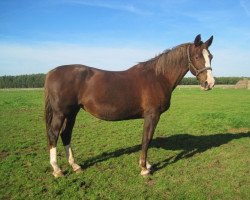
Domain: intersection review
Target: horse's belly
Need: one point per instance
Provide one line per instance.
(110, 112)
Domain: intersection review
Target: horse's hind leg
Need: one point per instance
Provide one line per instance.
(53, 133)
(66, 139)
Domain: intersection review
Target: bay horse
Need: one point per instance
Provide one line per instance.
(142, 91)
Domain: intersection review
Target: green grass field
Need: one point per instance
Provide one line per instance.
(200, 150)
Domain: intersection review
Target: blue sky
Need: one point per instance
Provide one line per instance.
(36, 36)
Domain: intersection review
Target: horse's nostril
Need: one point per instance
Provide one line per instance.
(206, 84)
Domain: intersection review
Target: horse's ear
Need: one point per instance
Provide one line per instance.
(197, 40)
(209, 41)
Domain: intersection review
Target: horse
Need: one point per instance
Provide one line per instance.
(142, 91)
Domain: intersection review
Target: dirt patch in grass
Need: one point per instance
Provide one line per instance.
(3, 154)
(149, 182)
(239, 130)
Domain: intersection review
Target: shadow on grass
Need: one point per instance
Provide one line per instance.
(189, 144)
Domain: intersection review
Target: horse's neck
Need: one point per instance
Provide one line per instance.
(173, 75)
(180, 76)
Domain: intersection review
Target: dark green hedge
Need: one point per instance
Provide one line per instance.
(22, 81)
(37, 81)
(189, 81)
(227, 80)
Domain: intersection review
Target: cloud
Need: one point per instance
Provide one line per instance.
(16, 59)
(110, 5)
(40, 58)
(231, 61)
(246, 6)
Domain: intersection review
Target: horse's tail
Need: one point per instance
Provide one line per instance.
(48, 111)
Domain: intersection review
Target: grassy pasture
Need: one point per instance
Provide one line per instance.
(200, 150)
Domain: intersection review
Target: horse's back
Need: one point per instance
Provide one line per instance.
(111, 95)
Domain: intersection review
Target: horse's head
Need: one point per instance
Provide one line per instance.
(199, 58)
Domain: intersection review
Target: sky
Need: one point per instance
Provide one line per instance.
(37, 36)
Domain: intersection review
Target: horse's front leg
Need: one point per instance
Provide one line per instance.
(150, 121)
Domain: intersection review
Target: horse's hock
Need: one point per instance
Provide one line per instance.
(243, 84)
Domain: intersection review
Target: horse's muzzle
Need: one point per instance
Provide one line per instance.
(207, 86)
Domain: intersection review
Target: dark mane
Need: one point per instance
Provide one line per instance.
(173, 58)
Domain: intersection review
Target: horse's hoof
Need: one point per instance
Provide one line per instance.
(79, 170)
(147, 164)
(58, 174)
(145, 172)
(76, 168)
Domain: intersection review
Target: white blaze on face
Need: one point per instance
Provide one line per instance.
(210, 78)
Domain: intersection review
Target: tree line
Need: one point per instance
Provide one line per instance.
(22, 81)
(37, 81)
(218, 80)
